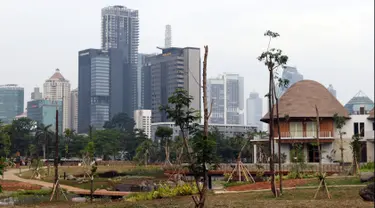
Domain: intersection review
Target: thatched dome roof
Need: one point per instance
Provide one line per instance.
(300, 99)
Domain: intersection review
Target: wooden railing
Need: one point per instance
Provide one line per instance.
(305, 134)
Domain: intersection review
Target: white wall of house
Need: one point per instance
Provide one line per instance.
(348, 128)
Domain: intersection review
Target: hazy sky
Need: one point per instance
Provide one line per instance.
(331, 42)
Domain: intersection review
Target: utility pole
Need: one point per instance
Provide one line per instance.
(57, 154)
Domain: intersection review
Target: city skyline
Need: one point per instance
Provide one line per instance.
(85, 33)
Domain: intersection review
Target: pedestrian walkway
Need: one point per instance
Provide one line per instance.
(11, 175)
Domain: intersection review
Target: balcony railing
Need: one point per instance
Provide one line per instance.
(305, 134)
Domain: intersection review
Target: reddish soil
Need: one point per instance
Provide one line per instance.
(14, 186)
(266, 185)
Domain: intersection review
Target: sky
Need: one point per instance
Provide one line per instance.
(331, 42)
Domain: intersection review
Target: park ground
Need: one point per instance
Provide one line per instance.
(298, 192)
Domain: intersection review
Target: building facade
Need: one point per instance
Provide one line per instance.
(227, 130)
(58, 88)
(360, 104)
(144, 81)
(36, 95)
(93, 89)
(227, 94)
(254, 110)
(120, 30)
(44, 112)
(292, 75)
(74, 109)
(174, 68)
(142, 120)
(11, 102)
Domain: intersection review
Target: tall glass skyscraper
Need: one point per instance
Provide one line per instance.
(227, 94)
(291, 74)
(11, 102)
(254, 110)
(93, 89)
(120, 30)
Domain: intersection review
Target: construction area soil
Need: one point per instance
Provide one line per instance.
(15, 186)
(290, 183)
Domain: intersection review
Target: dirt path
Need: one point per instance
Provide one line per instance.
(11, 175)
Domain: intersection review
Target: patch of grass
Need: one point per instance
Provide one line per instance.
(335, 181)
(143, 171)
(235, 183)
(31, 192)
(342, 197)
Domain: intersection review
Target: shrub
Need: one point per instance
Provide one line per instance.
(368, 167)
(143, 171)
(164, 191)
(31, 192)
(236, 183)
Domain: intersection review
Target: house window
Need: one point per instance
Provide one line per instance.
(359, 129)
(296, 129)
(362, 110)
(310, 129)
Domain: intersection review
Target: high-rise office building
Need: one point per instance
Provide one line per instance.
(174, 68)
(36, 95)
(74, 109)
(144, 81)
(292, 75)
(254, 110)
(44, 112)
(227, 94)
(93, 89)
(11, 102)
(142, 119)
(58, 88)
(331, 90)
(168, 37)
(120, 30)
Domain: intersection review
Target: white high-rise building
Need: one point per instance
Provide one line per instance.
(58, 88)
(254, 110)
(227, 94)
(36, 95)
(142, 120)
(74, 109)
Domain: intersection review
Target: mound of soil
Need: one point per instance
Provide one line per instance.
(14, 186)
(266, 185)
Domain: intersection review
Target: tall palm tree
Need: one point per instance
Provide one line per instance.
(43, 135)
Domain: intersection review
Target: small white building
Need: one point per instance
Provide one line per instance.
(227, 130)
(142, 120)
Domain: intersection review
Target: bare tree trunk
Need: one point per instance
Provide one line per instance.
(271, 132)
(317, 138)
(279, 135)
(342, 152)
(44, 151)
(202, 194)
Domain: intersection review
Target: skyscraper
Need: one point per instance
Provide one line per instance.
(142, 119)
(174, 68)
(227, 94)
(168, 37)
(44, 112)
(291, 74)
(332, 90)
(254, 110)
(120, 30)
(144, 81)
(58, 88)
(11, 102)
(36, 95)
(74, 109)
(93, 89)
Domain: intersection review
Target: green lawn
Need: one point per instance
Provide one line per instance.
(336, 181)
(342, 197)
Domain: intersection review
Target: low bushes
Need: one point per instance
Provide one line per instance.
(368, 167)
(164, 191)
